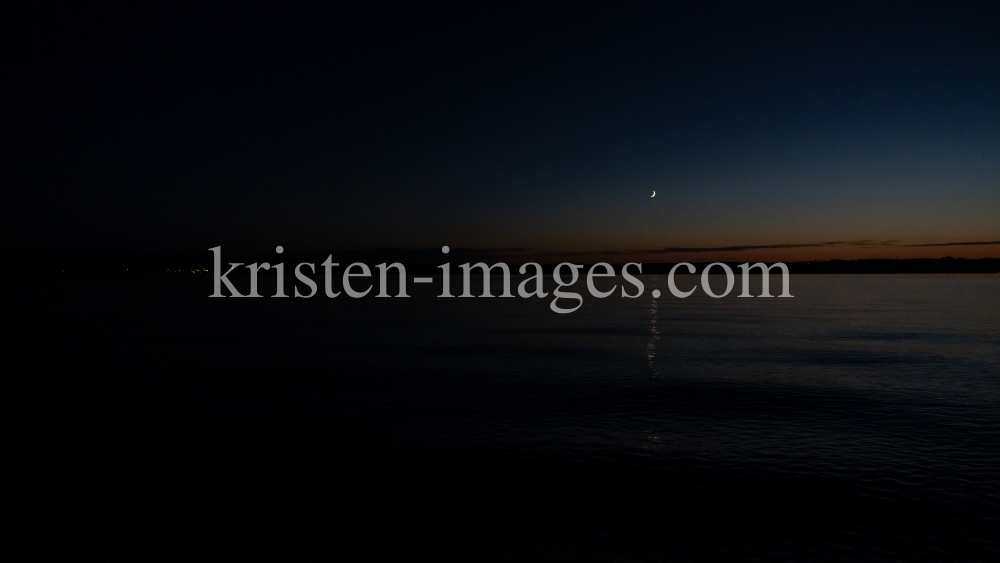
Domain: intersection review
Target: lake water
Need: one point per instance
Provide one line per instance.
(859, 420)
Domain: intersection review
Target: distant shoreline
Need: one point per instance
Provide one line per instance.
(120, 267)
(873, 266)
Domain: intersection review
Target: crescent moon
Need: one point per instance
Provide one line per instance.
(654, 194)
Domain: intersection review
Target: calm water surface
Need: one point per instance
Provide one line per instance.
(857, 421)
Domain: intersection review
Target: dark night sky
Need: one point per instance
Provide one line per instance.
(170, 131)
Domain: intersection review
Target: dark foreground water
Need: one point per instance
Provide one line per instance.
(858, 421)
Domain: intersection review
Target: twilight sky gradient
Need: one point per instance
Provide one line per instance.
(779, 131)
